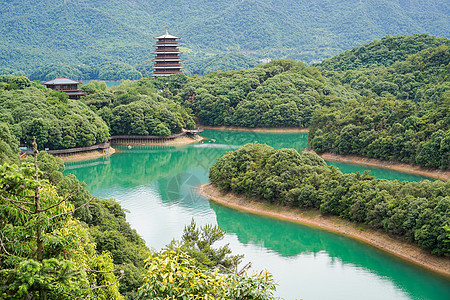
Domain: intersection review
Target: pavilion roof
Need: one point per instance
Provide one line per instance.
(61, 81)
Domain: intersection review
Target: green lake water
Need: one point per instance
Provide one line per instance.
(159, 187)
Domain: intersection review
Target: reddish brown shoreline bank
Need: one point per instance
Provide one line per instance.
(360, 160)
(406, 251)
(259, 129)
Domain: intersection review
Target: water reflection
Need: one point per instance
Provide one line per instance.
(290, 240)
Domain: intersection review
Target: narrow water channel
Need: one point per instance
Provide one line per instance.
(158, 186)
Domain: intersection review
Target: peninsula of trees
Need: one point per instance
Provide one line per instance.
(418, 212)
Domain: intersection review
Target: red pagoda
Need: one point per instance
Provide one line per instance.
(167, 59)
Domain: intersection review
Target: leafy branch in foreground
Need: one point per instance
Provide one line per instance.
(175, 275)
(193, 269)
(212, 273)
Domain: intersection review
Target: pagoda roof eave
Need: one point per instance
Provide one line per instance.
(169, 59)
(167, 52)
(167, 45)
(166, 36)
(167, 67)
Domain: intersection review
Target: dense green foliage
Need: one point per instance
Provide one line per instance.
(415, 211)
(8, 145)
(403, 114)
(384, 52)
(106, 223)
(45, 252)
(39, 33)
(104, 71)
(193, 269)
(102, 223)
(197, 242)
(174, 275)
(203, 65)
(281, 93)
(28, 109)
(138, 108)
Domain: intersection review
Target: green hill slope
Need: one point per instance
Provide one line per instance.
(404, 114)
(35, 33)
(384, 52)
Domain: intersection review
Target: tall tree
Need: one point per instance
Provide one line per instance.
(44, 252)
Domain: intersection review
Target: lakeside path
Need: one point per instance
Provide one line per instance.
(404, 250)
(174, 142)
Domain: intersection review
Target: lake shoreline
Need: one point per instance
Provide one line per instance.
(89, 155)
(392, 165)
(180, 141)
(404, 250)
(256, 129)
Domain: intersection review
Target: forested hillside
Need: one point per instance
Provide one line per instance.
(136, 108)
(80, 32)
(403, 114)
(282, 93)
(29, 109)
(384, 52)
(417, 212)
(374, 108)
(354, 105)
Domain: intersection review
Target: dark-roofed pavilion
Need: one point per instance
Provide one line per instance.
(66, 85)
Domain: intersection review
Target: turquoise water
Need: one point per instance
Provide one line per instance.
(159, 187)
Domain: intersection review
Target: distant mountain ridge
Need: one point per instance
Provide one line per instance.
(34, 33)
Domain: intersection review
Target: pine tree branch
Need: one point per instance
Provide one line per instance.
(72, 211)
(18, 201)
(97, 271)
(244, 269)
(54, 205)
(2, 244)
(122, 274)
(18, 206)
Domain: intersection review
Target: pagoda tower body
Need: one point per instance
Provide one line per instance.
(167, 56)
